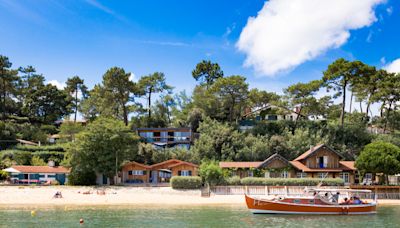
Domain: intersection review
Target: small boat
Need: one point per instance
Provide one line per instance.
(314, 201)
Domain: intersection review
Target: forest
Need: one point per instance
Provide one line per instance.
(219, 104)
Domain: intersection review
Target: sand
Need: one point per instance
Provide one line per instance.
(14, 196)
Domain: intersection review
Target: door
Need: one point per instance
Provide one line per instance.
(60, 177)
(154, 177)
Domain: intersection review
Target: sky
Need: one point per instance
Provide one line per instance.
(272, 43)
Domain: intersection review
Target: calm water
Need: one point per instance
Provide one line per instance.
(222, 216)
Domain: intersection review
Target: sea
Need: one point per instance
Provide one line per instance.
(184, 216)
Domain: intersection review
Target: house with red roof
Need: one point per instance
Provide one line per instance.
(22, 174)
(319, 161)
(159, 173)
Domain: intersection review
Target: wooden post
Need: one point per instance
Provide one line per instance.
(286, 190)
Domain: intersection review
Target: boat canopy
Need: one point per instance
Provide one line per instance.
(336, 190)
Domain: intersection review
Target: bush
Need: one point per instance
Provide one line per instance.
(180, 182)
(211, 173)
(235, 180)
(3, 175)
(291, 181)
(82, 177)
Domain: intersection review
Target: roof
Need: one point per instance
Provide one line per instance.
(239, 164)
(40, 169)
(164, 129)
(271, 158)
(183, 163)
(343, 166)
(314, 149)
(27, 142)
(348, 165)
(138, 164)
(173, 161)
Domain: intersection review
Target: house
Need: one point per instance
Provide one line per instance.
(167, 137)
(318, 162)
(160, 173)
(21, 174)
(322, 161)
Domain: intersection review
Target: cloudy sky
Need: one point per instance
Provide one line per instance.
(273, 43)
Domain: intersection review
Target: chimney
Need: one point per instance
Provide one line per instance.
(51, 164)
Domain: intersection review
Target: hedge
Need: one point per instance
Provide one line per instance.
(58, 148)
(291, 181)
(235, 180)
(24, 157)
(180, 182)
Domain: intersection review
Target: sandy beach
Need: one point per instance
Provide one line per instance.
(15, 196)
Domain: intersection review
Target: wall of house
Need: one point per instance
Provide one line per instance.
(145, 178)
(178, 168)
(276, 164)
(333, 159)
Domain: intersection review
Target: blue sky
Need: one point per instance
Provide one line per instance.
(65, 38)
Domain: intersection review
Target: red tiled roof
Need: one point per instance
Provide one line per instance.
(300, 166)
(348, 165)
(173, 161)
(308, 152)
(183, 163)
(239, 164)
(344, 166)
(41, 169)
(139, 164)
(312, 150)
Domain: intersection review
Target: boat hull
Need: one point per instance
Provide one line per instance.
(258, 206)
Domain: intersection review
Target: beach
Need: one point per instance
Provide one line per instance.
(11, 196)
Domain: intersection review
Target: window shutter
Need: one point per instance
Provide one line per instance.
(130, 172)
(179, 173)
(190, 172)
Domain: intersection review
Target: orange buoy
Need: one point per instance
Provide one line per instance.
(81, 221)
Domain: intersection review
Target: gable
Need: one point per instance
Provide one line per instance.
(275, 161)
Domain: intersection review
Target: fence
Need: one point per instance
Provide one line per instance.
(381, 193)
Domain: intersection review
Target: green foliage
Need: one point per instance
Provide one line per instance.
(235, 180)
(102, 147)
(3, 175)
(37, 161)
(23, 158)
(291, 181)
(207, 72)
(211, 173)
(56, 148)
(379, 157)
(68, 130)
(180, 182)
(82, 176)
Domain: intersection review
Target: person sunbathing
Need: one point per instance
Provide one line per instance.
(58, 195)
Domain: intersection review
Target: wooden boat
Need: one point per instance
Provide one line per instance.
(322, 201)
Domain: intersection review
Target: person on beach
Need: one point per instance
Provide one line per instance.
(58, 195)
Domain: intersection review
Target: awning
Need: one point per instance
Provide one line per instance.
(11, 170)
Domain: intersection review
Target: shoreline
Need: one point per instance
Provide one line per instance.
(115, 196)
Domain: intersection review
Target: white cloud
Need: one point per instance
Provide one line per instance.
(59, 85)
(286, 33)
(393, 67)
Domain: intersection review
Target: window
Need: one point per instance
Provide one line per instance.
(322, 175)
(284, 174)
(322, 161)
(250, 173)
(137, 172)
(185, 173)
(345, 177)
(267, 174)
(301, 175)
(41, 176)
(51, 176)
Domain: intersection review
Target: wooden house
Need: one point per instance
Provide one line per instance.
(21, 174)
(321, 161)
(160, 173)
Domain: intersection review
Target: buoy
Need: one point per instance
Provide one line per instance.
(81, 221)
(33, 213)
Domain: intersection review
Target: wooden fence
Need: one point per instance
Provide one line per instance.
(381, 193)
